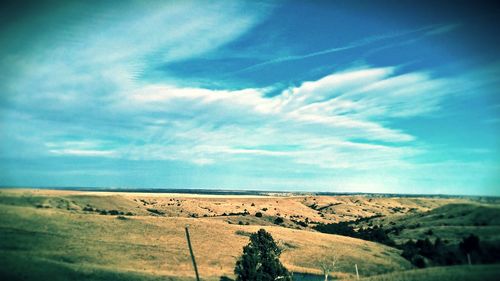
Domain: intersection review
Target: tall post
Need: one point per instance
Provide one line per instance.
(191, 252)
(357, 273)
(468, 259)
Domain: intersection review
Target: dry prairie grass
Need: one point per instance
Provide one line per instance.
(52, 226)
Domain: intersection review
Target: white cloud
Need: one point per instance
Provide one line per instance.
(84, 148)
(333, 85)
(329, 123)
(82, 61)
(83, 152)
(322, 119)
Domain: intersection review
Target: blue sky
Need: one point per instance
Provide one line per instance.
(349, 96)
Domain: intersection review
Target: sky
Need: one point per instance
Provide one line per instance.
(334, 96)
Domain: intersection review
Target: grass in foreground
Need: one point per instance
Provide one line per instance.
(447, 273)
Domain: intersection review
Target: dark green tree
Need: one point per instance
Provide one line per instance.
(470, 244)
(260, 260)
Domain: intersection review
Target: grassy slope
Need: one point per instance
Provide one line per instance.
(70, 242)
(450, 273)
(345, 208)
(451, 222)
(19, 266)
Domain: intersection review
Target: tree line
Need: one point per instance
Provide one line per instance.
(422, 252)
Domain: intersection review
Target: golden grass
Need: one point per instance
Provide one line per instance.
(315, 208)
(156, 245)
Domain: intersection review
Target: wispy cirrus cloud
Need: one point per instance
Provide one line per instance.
(89, 60)
(321, 120)
(418, 33)
(82, 148)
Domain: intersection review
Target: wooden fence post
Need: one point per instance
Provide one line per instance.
(191, 252)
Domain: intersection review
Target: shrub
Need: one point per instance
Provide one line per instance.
(258, 214)
(278, 220)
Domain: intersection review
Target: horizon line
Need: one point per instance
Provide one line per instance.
(237, 190)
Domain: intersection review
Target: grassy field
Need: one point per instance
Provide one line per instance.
(449, 273)
(52, 230)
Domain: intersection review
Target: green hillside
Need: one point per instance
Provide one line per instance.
(448, 273)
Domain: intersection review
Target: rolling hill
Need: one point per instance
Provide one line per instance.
(94, 235)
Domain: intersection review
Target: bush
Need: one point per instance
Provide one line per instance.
(258, 214)
(278, 220)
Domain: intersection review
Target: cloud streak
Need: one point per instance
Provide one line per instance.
(322, 120)
(426, 30)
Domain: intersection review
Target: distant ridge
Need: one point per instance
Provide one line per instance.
(207, 191)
